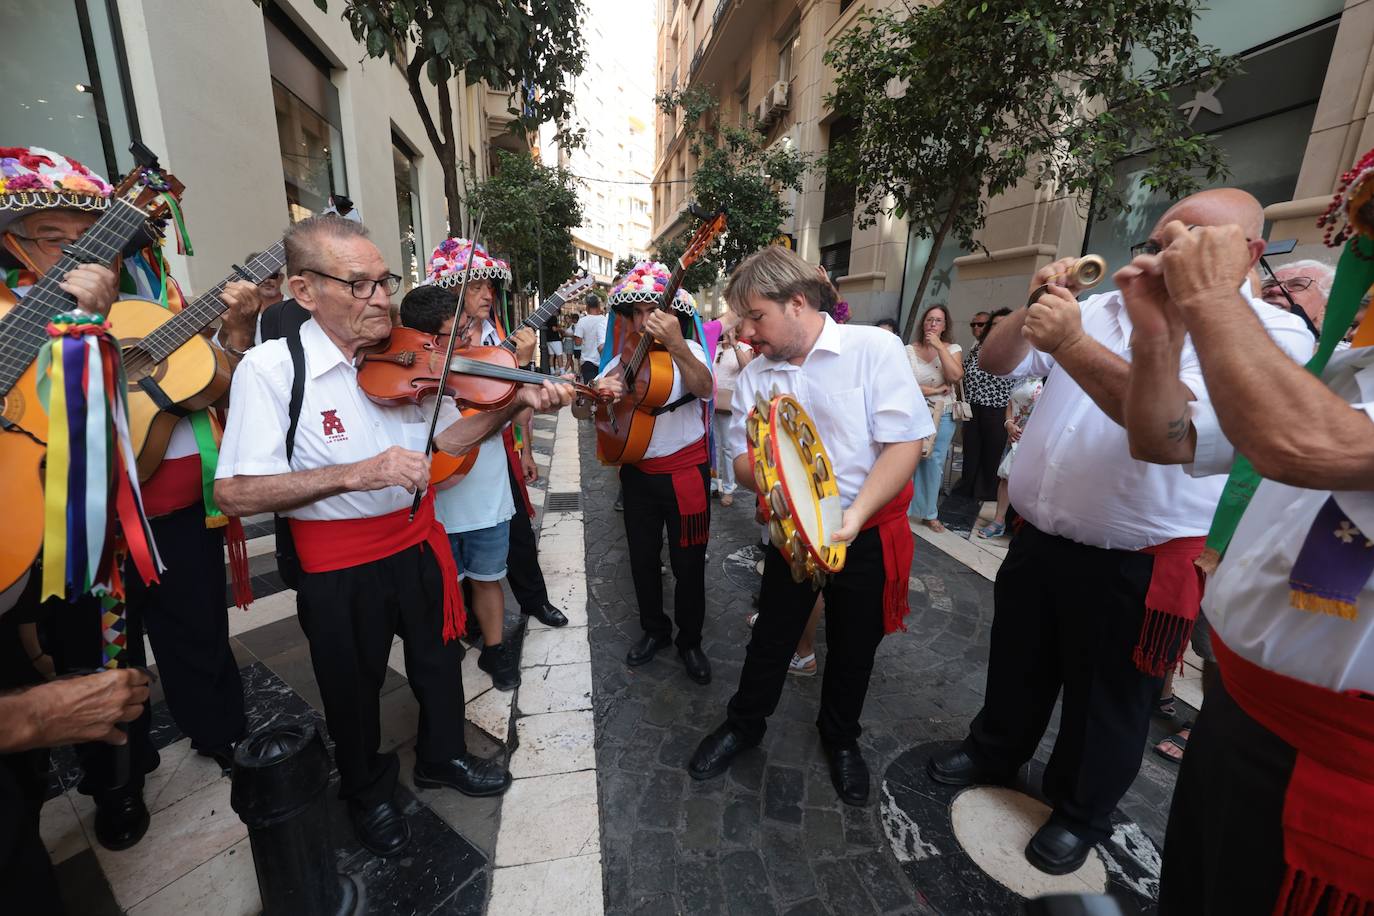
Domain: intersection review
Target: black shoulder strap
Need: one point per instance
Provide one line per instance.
(669, 408)
(293, 410)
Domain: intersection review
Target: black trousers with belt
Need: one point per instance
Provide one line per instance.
(853, 630)
(350, 617)
(1067, 617)
(650, 506)
(522, 557)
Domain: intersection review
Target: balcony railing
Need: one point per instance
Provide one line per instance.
(719, 14)
(696, 59)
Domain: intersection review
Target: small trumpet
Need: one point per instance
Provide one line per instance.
(1085, 273)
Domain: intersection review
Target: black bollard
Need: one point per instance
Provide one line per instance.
(280, 778)
(1074, 905)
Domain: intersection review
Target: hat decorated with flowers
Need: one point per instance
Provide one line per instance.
(646, 283)
(33, 179)
(449, 262)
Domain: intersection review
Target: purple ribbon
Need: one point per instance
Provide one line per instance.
(1335, 562)
(74, 380)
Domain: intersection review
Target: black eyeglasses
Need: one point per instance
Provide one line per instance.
(51, 244)
(1292, 285)
(361, 289)
(1149, 246)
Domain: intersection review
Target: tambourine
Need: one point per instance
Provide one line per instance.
(796, 480)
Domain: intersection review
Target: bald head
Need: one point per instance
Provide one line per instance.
(1217, 207)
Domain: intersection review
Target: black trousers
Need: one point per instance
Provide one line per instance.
(188, 625)
(350, 616)
(522, 557)
(1223, 850)
(985, 438)
(650, 505)
(853, 630)
(1067, 617)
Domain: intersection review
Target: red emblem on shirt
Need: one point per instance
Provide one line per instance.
(333, 426)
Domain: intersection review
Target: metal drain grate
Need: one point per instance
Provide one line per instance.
(563, 502)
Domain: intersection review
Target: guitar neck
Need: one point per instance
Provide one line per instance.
(537, 319)
(201, 313)
(24, 330)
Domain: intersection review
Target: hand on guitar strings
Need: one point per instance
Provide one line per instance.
(612, 384)
(242, 302)
(526, 340)
(666, 329)
(95, 288)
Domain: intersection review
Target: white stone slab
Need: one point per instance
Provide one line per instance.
(61, 830)
(548, 817)
(556, 688)
(555, 742)
(980, 561)
(491, 712)
(475, 681)
(994, 824)
(224, 886)
(180, 838)
(257, 547)
(569, 887)
(185, 773)
(562, 646)
(262, 612)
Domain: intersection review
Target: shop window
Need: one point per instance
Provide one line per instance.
(408, 210)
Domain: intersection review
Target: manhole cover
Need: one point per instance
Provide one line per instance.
(563, 502)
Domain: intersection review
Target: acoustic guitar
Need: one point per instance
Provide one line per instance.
(624, 428)
(23, 331)
(443, 466)
(172, 369)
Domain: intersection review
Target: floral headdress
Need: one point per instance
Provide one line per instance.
(646, 283)
(33, 179)
(450, 260)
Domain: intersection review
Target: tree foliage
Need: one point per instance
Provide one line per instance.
(624, 265)
(529, 211)
(981, 95)
(532, 48)
(736, 172)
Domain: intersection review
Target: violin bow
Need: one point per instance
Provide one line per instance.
(448, 356)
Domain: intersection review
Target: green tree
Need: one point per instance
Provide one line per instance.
(981, 95)
(529, 211)
(736, 172)
(624, 266)
(533, 47)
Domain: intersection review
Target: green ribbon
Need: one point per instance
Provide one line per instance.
(183, 237)
(1354, 276)
(209, 460)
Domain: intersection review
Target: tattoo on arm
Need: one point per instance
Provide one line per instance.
(1178, 429)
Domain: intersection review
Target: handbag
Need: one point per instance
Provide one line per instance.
(961, 409)
(723, 400)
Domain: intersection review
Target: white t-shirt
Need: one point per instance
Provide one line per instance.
(338, 424)
(483, 498)
(676, 429)
(1247, 598)
(592, 330)
(1074, 475)
(857, 387)
(728, 365)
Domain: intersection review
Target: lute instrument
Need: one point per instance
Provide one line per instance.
(141, 196)
(624, 428)
(172, 369)
(443, 466)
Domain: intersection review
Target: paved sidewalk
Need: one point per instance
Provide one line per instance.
(771, 836)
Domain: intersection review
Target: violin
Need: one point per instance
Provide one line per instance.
(407, 368)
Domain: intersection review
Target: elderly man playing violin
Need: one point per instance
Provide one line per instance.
(344, 470)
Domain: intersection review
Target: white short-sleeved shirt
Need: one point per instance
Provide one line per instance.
(592, 330)
(1247, 598)
(1074, 475)
(483, 498)
(856, 385)
(339, 424)
(676, 429)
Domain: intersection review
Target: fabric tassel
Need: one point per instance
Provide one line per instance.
(237, 547)
(1172, 602)
(899, 548)
(684, 466)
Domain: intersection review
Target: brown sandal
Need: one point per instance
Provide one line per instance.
(1177, 741)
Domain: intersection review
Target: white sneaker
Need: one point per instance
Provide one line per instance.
(802, 667)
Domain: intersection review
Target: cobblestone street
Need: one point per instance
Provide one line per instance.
(771, 836)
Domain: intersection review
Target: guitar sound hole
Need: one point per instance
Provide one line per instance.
(138, 364)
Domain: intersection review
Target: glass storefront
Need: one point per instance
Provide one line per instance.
(311, 155)
(413, 252)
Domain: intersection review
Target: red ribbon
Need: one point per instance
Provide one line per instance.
(1172, 603)
(899, 546)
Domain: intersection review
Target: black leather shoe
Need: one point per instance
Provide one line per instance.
(697, 664)
(645, 650)
(549, 615)
(469, 774)
(713, 755)
(502, 664)
(382, 829)
(224, 756)
(849, 774)
(1056, 850)
(121, 818)
(957, 768)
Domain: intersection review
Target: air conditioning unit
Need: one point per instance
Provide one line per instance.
(781, 95)
(764, 111)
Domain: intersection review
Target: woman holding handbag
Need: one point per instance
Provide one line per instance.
(935, 361)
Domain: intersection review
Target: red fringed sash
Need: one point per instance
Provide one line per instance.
(1328, 809)
(898, 547)
(327, 546)
(1171, 604)
(684, 465)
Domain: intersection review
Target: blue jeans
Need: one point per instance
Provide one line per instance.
(931, 470)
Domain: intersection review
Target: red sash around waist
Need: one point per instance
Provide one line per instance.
(684, 466)
(1172, 603)
(898, 547)
(1328, 809)
(325, 546)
